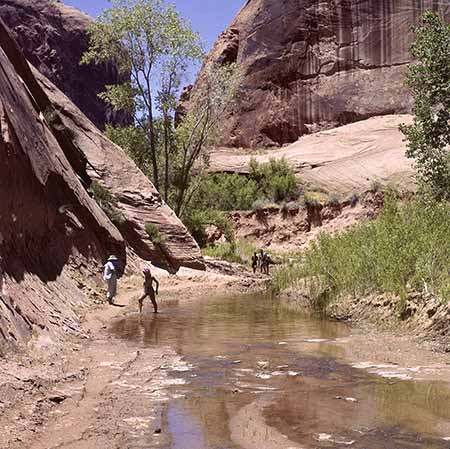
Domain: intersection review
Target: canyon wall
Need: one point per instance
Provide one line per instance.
(54, 237)
(308, 65)
(53, 37)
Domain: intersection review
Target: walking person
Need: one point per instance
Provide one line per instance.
(149, 290)
(110, 276)
(262, 260)
(255, 261)
(268, 262)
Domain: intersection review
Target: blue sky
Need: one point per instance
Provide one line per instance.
(208, 17)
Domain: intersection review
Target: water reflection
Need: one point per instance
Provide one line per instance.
(268, 375)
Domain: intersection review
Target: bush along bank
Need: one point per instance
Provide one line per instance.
(400, 260)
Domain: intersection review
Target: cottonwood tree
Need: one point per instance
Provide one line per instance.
(150, 41)
(428, 138)
(199, 128)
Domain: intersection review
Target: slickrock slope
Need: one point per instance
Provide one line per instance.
(137, 199)
(309, 65)
(49, 226)
(345, 159)
(53, 235)
(53, 37)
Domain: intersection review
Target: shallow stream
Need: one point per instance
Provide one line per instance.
(259, 374)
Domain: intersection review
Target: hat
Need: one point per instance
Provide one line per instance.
(112, 258)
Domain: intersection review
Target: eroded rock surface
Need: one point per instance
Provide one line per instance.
(342, 160)
(51, 231)
(53, 37)
(138, 200)
(308, 65)
(54, 237)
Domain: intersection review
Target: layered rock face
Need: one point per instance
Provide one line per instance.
(53, 37)
(138, 200)
(307, 65)
(54, 237)
(48, 222)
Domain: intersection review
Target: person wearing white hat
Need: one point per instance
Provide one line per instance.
(149, 290)
(110, 277)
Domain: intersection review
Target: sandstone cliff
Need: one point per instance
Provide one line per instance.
(308, 65)
(53, 235)
(343, 160)
(53, 37)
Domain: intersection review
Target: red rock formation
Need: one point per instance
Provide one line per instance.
(53, 235)
(138, 200)
(48, 222)
(53, 37)
(307, 65)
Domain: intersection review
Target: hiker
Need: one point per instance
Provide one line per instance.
(110, 276)
(267, 264)
(148, 290)
(262, 260)
(255, 261)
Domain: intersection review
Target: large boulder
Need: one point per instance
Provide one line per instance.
(53, 37)
(308, 65)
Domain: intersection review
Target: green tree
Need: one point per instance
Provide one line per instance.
(199, 128)
(428, 79)
(150, 41)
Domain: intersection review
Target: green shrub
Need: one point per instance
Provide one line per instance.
(276, 179)
(310, 201)
(51, 116)
(196, 222)
(260, 205)
(405, 248)
(106, 200)
(334, 200)
(154, 234)
(226, 192)
(223, 251)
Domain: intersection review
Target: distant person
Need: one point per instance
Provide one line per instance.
(262, 260)
(148, 290)
(268, 262)
(110, 276)
(255, 262)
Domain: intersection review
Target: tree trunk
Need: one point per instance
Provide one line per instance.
(166, 157)
(153, 144)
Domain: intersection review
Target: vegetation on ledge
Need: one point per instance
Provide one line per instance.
(405, 248)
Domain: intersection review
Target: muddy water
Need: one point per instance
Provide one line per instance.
(259, 375)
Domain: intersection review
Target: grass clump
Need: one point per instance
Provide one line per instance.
(310, 201)
(241, 253)
(405, 248)
(334, 200)
(154, 234)
(51, 116)
(107, 201)
(223, 251)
